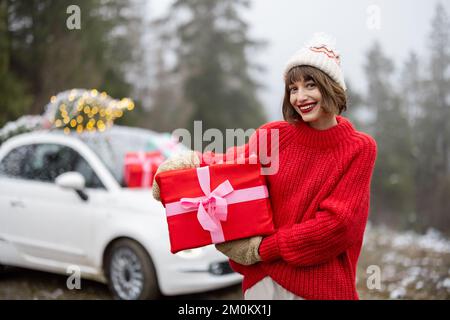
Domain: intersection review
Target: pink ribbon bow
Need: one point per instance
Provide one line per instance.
(213, 207)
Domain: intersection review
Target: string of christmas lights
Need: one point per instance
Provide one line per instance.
(83, 110)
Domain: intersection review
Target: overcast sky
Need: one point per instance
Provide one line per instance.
(404, 26)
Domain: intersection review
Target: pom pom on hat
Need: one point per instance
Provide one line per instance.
(319, 52)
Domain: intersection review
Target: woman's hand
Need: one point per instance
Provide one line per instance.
(185, 160)
(242, 251)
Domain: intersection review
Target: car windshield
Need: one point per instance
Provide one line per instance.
(112, 145)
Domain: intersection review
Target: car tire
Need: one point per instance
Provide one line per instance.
(130, 271)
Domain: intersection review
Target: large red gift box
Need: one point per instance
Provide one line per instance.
(214, 204)
(140, 168)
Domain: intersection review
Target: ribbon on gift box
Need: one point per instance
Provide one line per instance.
(146, 163)
(212, 208)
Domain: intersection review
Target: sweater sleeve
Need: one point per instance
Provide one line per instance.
(338, 223)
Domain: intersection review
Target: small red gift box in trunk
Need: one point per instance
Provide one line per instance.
(214, 204)
(140, 168)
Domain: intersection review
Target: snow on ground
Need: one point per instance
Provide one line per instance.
(412, 265)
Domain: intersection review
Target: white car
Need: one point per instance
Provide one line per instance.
(63, 207)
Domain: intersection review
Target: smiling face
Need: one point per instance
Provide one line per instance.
(305, 97)
(313, 97)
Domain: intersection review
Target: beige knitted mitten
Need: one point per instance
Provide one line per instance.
(242, 251)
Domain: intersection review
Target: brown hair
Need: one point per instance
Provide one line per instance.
(333, 96)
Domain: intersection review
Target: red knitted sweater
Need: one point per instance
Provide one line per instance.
(320, 202)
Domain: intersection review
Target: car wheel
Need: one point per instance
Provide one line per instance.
(130, 272)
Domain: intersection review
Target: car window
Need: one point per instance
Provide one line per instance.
(45, 162)
(12, 164)
(48, 161)
(92, 180)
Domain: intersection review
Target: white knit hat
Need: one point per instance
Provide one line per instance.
(319, 53)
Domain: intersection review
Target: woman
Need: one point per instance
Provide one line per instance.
(319, 195)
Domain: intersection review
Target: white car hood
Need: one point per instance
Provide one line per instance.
(139, 200)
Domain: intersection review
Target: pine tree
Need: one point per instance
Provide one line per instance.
(433, 129)
(211, 47)
(355, 103)
(166, 113)
(50, 58)
(393, 177)
(13, 97)
(411, 86)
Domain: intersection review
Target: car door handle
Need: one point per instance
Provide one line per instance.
(17, 204)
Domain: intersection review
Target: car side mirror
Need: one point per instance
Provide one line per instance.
(73, 180)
